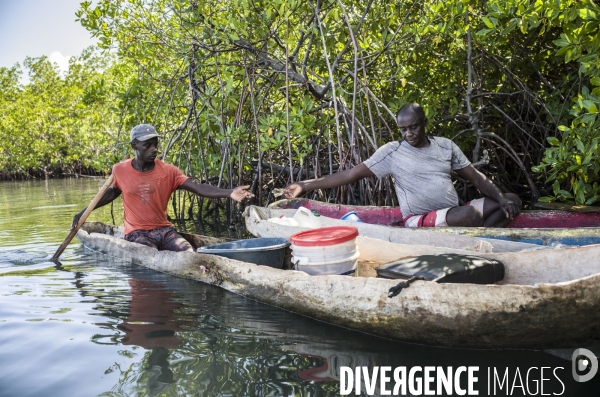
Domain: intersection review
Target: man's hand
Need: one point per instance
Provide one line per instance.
(241, 193)
(510, 208)
(76, 219)
(293, 190)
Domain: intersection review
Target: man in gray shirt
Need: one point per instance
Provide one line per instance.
(421, 168)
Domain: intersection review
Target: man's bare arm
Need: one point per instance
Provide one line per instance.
(109, 196)
(238, 194)
(334, 180)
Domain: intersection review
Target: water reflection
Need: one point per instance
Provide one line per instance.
(152, 323)
(197, 337)
(217, 343)
(95, 326)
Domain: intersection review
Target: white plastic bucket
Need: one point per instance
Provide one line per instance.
(316, 252)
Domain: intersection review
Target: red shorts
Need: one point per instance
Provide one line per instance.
(437, 218)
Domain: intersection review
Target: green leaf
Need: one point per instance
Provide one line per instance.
(555, 187)
(587, 14)
(488, 23)
(562, 42)
(564, 50)
(588, 118)
(580, 197)
(586, 104)
(511, 26)
(484, 32)
(564, 194)
(553, 141)
(588, 58)
(538, 168)
(547, 199)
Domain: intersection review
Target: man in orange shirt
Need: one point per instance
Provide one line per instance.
(146, 184)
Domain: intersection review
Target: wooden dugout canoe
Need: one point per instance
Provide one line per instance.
(545, 227)
(549, 298)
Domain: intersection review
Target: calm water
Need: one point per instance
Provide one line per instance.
(95, 326)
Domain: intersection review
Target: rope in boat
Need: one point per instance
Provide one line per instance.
(404, 284)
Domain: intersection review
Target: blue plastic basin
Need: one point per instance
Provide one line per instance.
(266, 251)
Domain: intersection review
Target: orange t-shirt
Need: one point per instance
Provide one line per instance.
(146, 194)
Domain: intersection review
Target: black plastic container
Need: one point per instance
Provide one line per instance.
(266, 251)
(445, 268)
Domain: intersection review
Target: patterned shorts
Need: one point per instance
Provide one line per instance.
(163, 238)
(437, 218)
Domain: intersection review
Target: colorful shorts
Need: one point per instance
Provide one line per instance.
(437, 218)
(163, 238)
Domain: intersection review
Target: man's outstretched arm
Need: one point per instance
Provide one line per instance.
(489, 189)
(238, 194)
(109, 195)
(334, 180)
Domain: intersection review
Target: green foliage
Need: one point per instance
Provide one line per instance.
(56, 123)
(206, 70)
(573, 163)
(314, 84)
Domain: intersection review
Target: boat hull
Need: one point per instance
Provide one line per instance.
(459, 315)
(534, 227)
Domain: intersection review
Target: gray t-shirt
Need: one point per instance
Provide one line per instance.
(421, 175)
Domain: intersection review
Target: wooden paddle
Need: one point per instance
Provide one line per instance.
(82, 219)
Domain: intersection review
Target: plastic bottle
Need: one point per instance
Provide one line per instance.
(306, 218)
(282, 220)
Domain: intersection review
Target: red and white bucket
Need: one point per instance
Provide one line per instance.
(327, 250)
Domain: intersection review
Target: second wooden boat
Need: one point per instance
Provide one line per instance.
(546, 227)
(257, 224)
